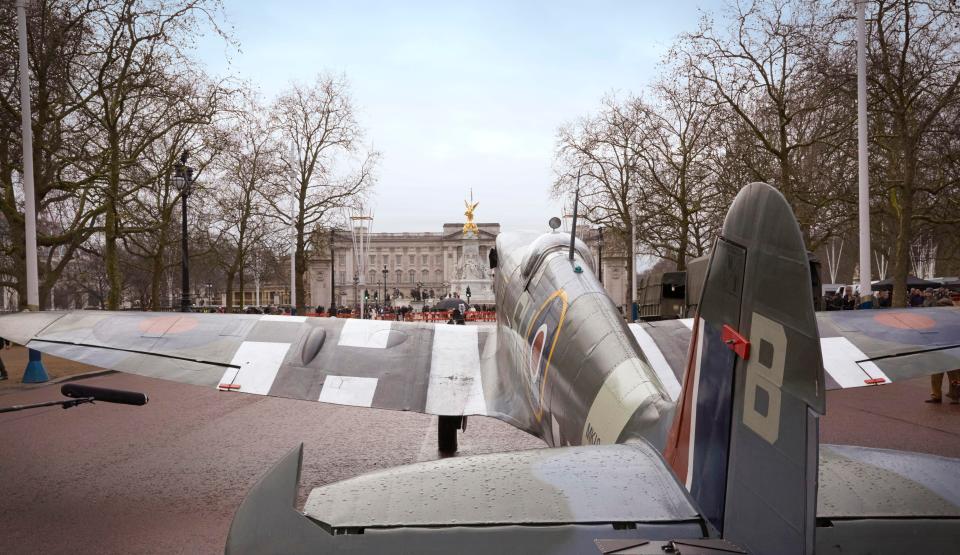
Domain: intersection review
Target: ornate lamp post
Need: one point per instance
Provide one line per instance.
(183, 180)
(356, 302)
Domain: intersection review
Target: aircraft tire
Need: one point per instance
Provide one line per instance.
(447, 427)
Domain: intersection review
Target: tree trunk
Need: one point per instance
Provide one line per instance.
(111, 228)
(684, 244)
(901, 256)
(155, 280)
(631, 269)
(243, 290)
(301, 261)
(231, 275)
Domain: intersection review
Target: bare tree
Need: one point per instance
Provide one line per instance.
(680, 203)
(141, 87)
(248, 168)
(330, 170)
(58, 36)
(914, 87)
(603, 151)
(767, 65)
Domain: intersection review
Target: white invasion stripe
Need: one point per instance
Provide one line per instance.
(657, 361)
(840, 360)
(687, 322)
(282, 318)
(455, 385)
(692, 441)
(623, 391)
(372, 334)
(259, 362)
(348, 390)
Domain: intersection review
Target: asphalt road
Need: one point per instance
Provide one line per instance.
(167, 477)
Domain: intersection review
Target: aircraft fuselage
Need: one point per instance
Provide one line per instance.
(575, 361)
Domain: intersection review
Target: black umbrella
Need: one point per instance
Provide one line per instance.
(450, 304)
(912, 283)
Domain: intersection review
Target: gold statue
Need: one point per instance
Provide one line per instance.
(470, 226)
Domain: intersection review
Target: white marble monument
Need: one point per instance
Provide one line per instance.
(472, 270)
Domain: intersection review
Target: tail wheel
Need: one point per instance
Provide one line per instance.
(447, 428)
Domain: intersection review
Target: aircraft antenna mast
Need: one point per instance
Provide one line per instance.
(573, 224)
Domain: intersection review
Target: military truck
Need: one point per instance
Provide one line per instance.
(670, 295)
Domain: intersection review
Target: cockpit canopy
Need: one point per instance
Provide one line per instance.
(548, 243)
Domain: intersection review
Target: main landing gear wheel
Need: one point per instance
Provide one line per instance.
(447, 427)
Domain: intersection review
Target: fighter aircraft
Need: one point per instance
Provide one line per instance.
(718, 453)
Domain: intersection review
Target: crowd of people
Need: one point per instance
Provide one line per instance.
(847, 299)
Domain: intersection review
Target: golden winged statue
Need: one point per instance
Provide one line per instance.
(470, 226)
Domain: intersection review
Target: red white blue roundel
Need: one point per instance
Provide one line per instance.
(542, 339)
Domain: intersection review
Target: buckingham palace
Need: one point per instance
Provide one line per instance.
(428, 259)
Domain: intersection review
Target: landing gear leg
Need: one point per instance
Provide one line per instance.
(447, 427)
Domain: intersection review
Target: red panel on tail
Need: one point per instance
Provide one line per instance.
(735, 341)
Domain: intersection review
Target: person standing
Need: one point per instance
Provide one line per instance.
(953, 387)
(4, 344)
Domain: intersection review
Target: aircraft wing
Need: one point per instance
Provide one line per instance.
(879, 346)
(421, 367)
(860, 347)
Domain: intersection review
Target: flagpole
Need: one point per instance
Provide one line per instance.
(866, 298)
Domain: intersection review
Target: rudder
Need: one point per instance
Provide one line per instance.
(744, 439)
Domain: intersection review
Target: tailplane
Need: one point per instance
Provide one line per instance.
(744, 439)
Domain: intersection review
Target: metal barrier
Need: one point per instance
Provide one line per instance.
(432, 317)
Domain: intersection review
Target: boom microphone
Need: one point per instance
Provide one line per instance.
(104, 394)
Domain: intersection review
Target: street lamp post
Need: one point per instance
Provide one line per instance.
(384, 285)
(183, 181)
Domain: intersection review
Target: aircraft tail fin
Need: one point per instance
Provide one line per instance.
(744, 439)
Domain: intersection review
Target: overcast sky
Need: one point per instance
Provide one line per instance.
(457, 96)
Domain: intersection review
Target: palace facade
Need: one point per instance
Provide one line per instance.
(430, 259)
